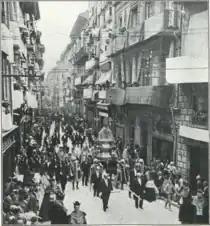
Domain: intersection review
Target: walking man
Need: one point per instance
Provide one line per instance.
(96, 180)
(105, 189)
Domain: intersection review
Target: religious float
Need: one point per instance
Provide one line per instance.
(106, 144)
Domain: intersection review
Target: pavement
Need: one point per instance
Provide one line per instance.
(121, 208)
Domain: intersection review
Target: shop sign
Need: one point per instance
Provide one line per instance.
(8, 141)
(103, 114)
(103, 107)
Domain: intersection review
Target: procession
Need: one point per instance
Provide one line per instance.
(57, 154)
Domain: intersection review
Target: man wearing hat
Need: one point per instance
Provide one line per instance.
(77, 216)
(105, 189)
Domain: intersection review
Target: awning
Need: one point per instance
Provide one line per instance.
(78, 81)
(88, 80)
(17, 99)
(7, 42)
(194, 133)
(15, 33)
(186, 69)
(104, 77)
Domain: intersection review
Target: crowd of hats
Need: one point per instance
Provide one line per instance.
(20, 203)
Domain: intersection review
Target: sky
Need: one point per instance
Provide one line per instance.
(56, 22)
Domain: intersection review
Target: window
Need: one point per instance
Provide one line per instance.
(150, 9)
(110, 11)
(125, 17)
(120, 21)
(5, 80)
(134, 17)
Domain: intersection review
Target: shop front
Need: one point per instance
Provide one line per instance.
(198, 163)
(10, 149)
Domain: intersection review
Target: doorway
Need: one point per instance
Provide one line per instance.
(198, 164)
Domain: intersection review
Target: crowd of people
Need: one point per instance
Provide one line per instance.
(61, 150)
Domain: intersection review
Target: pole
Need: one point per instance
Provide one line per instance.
(209, 115)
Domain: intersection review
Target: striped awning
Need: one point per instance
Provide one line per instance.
(104, 78)
(88, 80)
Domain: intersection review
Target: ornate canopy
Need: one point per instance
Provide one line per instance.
(105, 135)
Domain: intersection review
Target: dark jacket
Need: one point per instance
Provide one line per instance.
(139, 189)
(104, 189)
(96, 180)
(85, 167)
(187, 212)
(58, 213)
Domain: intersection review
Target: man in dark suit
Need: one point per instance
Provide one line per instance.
(96, 180)
(85, 167)
(57, 212)
(138, 189)
(133, 173)
(105, 189)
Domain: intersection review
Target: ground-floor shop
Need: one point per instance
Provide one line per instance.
(10, 148)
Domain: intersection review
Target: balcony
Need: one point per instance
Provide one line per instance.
(81, 55)
(136, 34)
(187, 70)
(103, 94)
(162, 22)
(91, 64)
(88, 93)
(155, 96)
(200, 119)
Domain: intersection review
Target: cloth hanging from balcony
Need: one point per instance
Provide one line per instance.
(7, 43)
(31, 100)
(17, 99)
(6, 121)
(88, 80)
(104, 78)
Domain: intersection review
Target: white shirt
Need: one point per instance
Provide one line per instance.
(106, 182)
(139, 180)
(97, 174)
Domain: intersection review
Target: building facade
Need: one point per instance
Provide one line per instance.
(190, 79)
(141, 75)
(22, 64)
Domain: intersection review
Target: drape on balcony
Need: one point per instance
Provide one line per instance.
(6, 122)
(104, 77)
(17, 99)
(31, 99)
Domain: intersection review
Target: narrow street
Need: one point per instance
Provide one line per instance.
(121, 208)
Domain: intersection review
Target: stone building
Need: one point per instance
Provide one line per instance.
(22, 65)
